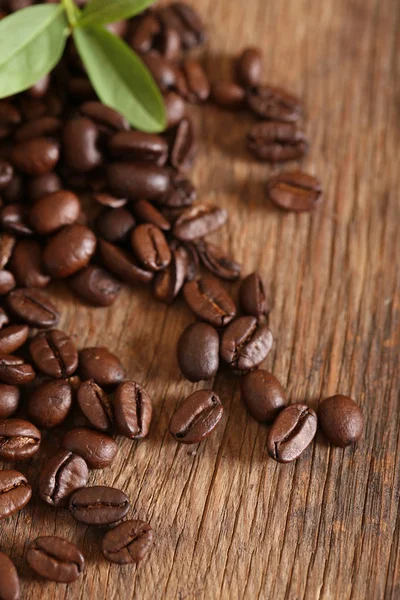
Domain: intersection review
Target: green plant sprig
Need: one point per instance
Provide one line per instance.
(32, 42)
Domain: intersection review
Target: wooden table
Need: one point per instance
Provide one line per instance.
(230, 522)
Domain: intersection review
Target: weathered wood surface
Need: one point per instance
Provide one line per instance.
(231, 523)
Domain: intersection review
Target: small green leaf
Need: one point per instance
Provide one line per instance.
(32, 41)
(101, 12)
(120, 78)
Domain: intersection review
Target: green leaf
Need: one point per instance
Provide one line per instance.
(120, 78)
(101, 12)
(32, 41)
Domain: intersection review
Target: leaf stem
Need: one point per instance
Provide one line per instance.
(71, 10)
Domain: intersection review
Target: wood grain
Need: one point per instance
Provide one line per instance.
(230, 523)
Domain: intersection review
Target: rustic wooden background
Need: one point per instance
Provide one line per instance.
(229, 522)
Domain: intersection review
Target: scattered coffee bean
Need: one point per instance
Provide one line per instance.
(216, 261)
(15, 492)
(263, 395)
(35, 156)
(98, 449)
(295, 191)
(245, 343)
(274, 141)
(253, 298)
(96, 286)
(14, 218)
(33, 307)
(341, 420)
(180, 194)
(95, 405)
(104, 115)
(140, 146)
(228, 95)
(43, 185)
(248, 68)
(183, 147)
(50, 403)
(9, 580)
(197, 81)
(110, 201)
(55, 559)
(150, 247)
(114, 224)
(293, 430)
(7, 282)
(122, 264)
(146, 212)
(274, 103)
(191, 28)
(168, 283)
(198, 352)
(9, 400)
(136, 180)
(129, 542)
(53, 211)
(197, 417)
(14, 370)
(7, 243)
(209, 300)
(63, 473)
(198, 221)
(69, 250)
(54, 353)
(133, 410)
(175, 108)
(100, 365)
(98, 505)
(19, 440)
(80, 139)
(41, 127)
(12, 338)
(27, 264)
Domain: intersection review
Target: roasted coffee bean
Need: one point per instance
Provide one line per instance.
(198, 352)
(62, 474)
(50, 403)
(15, 492)
(192, 29)
(110, 201)
(295, 191)
(164, 72)
(101, 366)
(33, 307)
(81, 90)
(190, 258)
(9, 580)
(98, 505)
(183, 147)
(135, 180)
(181, 193)
(6, 174)
(54, 353)
(175, 108)
(198, 221)
(80, 138)
(245, 343)
(37, 128)
(19, 440)
(248, 68)
(7, 243)
(168, 43)
(4, 320)
(228, 94)
(146, 212)
(132, 410)
(9, 116)
(293, 430)
(14, 371)
(55, 559)
(104, 115)
(9, 401)
(209, 300)
(14, 219)
(274, 103)
(114, 224)
(43, 185)
(27, 264)
(273, 141)
(169, 282)
(150, 247)
(95, 405)
(96, 286)
(12, 338)
(143, 35)
(140, 146)
(122, 264)
(69, 250)
(263, 395)
(196, 417)
(129, 542)
(341, 420)
(7, 282)
(197, 81)
(216, 261)
(53, 211)
(252, 295)
(98, 449)
(35, 156)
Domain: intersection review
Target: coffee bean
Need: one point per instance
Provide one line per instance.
(140, 146)
(19, 440)
(12, 338)
(123, 264)
(37, 128)
(50, 403)
(14, 371)
(10, 116)
(181, 193)
(101, 366)
(33, 307)
(263, 395)
(80, 139)
(95, 405)
(197, 81)
(209, 300)
(341, 420)
(53, 211)
(69, 250)
(4, 320)
(198, 352)
(62, 474)
(114, 224)
(98, 449)
(109, 200)
(248, 68)
(228, 95)
(274, 103)
(273, 141)
(27, 264)
(15, 492)
(147, 213)
(133, 410)
(129, 542)
(197, 417)
(80, 89)
(9, 400)
(293, 430)
(136, 180)
(169, 282)
(295, 191)
(14, 219)
(175, 108)
(198, 221)
(35, 156)
(43, 185)
(7, 282)
(216, 261)
(96, 286)
(98, 505)
(6, 174)
(252, 295)
(55, 559)
(245, 343)
(104, 115)
(150, 247)
(191, 28)
(142, 36)
(168, 44)
(9, 580)
(183, 145)
(54, 353)
(7, 243)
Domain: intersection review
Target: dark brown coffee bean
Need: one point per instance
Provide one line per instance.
(129, 542)
(95, 405)
(209, 300)
(150, 247)
(4, 319)
(110, 201)
(248, 68)
(216, 261)
(198, 221)
(122, 264)
(98, 449)
(101, 366)
(37, 128)
(15, 492)
(27, 264)
(273, 141)
(9, 116)
(9, 580)
(198, 352)
(114, 224)
(164, 72)
(293, 430)
(196, 417)
(132, 410)
(7, 282)
(181, 193)
(14, 219)
(252, 295)
(98, 505)
(9, 401)
(81, 90)
(96, 286)
(263, 395)
(53, 211)
(245, 343)
(50, 403)
(43, 185)
(35, 156)
(147, 213)
(80, 138)
(12, 338)
(168, 283)
(191, 27)
(55, 559)
(104, 115)
(14, 371)
(140, 146)
(54, 353)
(295, 191)
(144, 33)
(228, 94)
(341, 420)
(197, 81)
(62, 474)
(7, 243)
(175, 108)
(135, 180)
(6, 174)
(33, 307)
(69, 250)
(183, 147)
(274, 103)
(19, 440)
